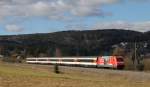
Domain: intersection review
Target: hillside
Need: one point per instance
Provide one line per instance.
(70, 43)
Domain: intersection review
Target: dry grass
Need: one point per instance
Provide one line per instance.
(147, 64)
(22, 75)
(129, 65)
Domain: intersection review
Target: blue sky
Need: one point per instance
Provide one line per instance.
(44, 16)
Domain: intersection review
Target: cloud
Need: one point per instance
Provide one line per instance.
(13, 28)
(60, 9)
(137, 26)
(89, 7)
(55, 8)
(12, 11)
(52, 8)
(139, 1)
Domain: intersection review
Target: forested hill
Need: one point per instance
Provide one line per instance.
(69, 43)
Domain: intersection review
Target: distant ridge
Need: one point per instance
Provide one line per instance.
(86, 41)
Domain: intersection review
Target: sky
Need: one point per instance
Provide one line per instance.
(46, 16)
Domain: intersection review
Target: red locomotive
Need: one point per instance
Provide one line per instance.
(115, 62)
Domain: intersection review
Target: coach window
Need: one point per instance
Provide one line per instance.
(84, 60)
(67, 60)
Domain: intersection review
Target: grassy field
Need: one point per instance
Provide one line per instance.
(24, 75)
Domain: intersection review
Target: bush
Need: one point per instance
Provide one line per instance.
(12, 60)
(140, 67)
(56, 68)
(146, 63)
(128, 64)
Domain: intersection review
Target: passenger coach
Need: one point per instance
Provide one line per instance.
(115, 62)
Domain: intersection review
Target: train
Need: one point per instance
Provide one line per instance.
(114, 62)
